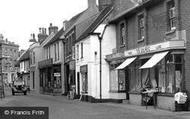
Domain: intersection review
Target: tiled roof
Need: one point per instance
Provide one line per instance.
(55, 37)
(47, 39)
(133, 8)
(94, 22)
(81, 17)
(25, 56)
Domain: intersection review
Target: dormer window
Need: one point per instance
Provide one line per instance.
(171, 15)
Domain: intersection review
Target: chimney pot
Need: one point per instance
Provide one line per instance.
(91, 3)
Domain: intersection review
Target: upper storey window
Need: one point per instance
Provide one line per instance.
(141, 27)
(171, 15)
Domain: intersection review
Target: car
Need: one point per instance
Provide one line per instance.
(19, 87)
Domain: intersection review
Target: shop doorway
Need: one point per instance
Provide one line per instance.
(127, 83)
(78, 83)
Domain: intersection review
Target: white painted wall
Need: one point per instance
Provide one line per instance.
(91, 58)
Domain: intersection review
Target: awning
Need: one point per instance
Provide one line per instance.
(154, 60)
(126, 63)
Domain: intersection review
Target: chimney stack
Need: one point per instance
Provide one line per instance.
(64, 25)
(1, 37)
(104, 3)
(52, 29)
(42, 35)
(91, 3)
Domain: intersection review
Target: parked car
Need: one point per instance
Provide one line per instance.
(19, 87)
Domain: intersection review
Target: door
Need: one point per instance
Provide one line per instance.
(78, 83)
(127, 83)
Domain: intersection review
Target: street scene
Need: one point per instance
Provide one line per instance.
(95, 59)
(62, 108)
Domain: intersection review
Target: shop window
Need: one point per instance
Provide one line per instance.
(84, 82)
(117, 79)
(171, 15)
(121, 80)
(171, 74)
(113, 80)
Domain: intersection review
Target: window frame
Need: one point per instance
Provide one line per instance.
(141, 27)
(171, 19)
(82, 48)
(122, 34)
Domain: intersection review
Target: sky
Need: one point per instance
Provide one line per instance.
(20, 18)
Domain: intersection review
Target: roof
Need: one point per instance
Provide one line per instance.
(81, 17)
(48, 39)
(133, 8)
(55, 37)
(95, 22)
(25, 56)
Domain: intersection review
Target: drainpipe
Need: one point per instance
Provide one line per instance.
(100, 37)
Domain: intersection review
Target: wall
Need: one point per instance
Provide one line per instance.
(91, 57)
(185, 25)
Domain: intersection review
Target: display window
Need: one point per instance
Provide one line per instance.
(167, 75)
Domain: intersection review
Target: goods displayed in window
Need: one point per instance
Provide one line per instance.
(167, 75)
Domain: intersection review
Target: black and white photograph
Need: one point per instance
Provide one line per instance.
(94, 59)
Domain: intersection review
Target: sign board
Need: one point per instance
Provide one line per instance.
(155, 48)
(84, 69)
(57, 74)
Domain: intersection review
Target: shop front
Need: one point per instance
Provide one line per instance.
(158, 73)
(155, 74)
(57, 79)
(50, 77)
(46, 76)
(69, 67)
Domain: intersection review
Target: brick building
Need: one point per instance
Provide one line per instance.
(8, 57)
(152, 49)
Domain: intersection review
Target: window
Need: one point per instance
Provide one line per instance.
(49, 52)
(55, 52)
(81, 50)
(122, 34)
(141, 27)
(84, 82)
(167, 75)
(33, 78)
(171, 15)
(117, 79)
(34, 58)
(77, 52)
(70, 45)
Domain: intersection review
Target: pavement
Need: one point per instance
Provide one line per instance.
(62, 108)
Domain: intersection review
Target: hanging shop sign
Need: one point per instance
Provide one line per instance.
(56, 74)
(155, 48)
(84, 69)
(72, 65)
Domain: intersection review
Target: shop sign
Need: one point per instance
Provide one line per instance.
(72, 65)
(83, 69)
(115, 55)
(57, 74)
(154, 48)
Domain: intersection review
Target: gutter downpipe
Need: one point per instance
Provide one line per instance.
(100, 37)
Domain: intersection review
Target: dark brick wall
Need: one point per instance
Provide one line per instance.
(156, 23)
(185, 25)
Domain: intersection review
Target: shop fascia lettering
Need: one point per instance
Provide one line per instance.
(154, 48)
